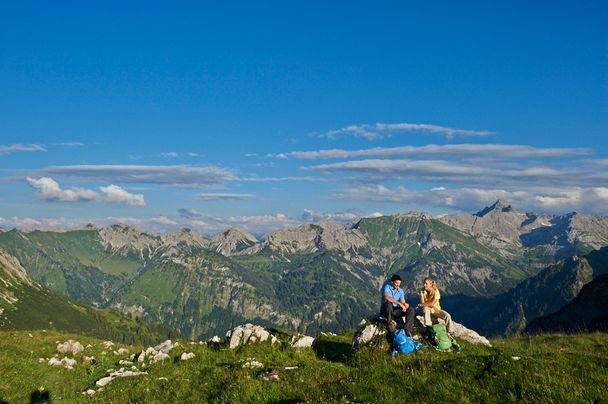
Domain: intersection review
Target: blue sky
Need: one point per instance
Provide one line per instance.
(273, 114)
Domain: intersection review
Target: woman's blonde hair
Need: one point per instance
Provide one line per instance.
(434, 289)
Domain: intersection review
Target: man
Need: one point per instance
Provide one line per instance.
(394, 307)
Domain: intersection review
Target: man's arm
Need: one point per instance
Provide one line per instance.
(401, 303)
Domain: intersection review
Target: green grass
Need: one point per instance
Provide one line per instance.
(551, 368)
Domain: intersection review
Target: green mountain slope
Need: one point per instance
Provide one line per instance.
(26, 305)
(588, 311)
(73, 263)
(542, 294)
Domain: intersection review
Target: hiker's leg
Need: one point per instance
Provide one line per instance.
(387, 311)
(449, 325)
(410, 314)
(428, 322)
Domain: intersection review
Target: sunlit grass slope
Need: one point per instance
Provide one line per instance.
(546, 368)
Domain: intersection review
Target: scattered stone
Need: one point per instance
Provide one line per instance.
(70, 346)
(122, 351)
(215, 339)
(253, 363)
(185, 356)
(303, 341)
(107, 344)
(247, 334)
(124, 362)
(89, 360)
(271, 376)
(290, 367)
(104, 381)
(161, 356)
(89, 392)
(165, 347)
(515, 358)
(65, 362)
(162, 378)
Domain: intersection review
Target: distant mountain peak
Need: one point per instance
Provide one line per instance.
(232, 240)
(499, 206)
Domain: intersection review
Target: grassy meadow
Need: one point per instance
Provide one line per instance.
(545, 368)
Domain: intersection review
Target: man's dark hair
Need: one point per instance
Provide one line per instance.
(395, 278)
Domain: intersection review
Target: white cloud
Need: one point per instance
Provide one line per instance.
(115, 194)
(222, 196)
(72, 144)
(473, 173)
(49, 190)
(494, 151)
(555, 200)
(258, 224)
(18, 147)
(164, 220)
(185, 176)
(169, 155)
(310, 215)
(380, 130)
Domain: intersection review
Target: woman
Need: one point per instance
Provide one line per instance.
(429, 301)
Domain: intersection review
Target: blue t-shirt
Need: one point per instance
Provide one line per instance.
(395, 294)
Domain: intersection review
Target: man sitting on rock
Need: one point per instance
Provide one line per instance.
(394, 307)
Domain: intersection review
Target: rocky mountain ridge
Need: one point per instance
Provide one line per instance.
(313, 277)
(505, 227)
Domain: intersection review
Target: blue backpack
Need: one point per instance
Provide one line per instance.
(402, 343)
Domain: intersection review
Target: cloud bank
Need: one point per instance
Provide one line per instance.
(381, 130)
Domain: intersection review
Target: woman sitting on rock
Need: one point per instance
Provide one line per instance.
(429, 301)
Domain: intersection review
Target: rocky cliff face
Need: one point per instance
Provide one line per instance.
(11, 270)
(12, 276)
(588, 311)
(310, 238)
(123, 238)
(503, 227)
(232, 241)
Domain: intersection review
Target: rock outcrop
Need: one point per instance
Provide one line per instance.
(248, 334)
(370, 331)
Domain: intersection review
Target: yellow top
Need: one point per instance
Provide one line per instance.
(427, 297)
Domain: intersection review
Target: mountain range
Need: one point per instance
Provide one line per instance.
(316, 277)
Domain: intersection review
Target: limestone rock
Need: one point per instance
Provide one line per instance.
(70, 346)
(302, 341)
(248, 334)
(366, 332)
(187, 355)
